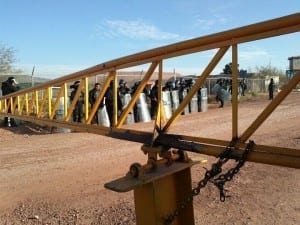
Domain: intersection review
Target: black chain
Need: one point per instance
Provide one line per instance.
(220, 181)
(209, 174)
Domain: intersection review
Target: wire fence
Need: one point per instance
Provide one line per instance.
(252, 85)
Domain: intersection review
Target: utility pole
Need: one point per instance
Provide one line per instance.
(32, 73)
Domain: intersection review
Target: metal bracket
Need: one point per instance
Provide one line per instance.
(128, 183)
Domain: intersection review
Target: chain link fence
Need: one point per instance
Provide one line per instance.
(254, 85)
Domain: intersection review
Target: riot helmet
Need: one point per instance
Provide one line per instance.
(12, 80)
(122, 82)
(75, 85)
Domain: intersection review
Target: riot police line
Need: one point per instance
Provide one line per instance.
(173, 93)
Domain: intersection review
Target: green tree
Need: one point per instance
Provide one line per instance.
(7, 58)
(228, 68)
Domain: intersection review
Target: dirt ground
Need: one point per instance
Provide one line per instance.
(58, 179)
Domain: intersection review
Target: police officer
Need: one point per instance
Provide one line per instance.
(93, 96)
(243, 86)
(182, 89)
(218, 87)
(271, 89)
(154, 100)
(124, 93)
(123, 89)
(78, 109)
(9, 86)
(169, 86)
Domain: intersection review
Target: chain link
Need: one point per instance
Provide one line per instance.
(220, 181)
(209, 174)
(216, 169)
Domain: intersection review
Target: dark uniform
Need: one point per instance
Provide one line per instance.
(78, 109)
(154, 100)
(109, 102)
(182, 89)
(271, 89)
(9, 86)
(243, 86)
(93, 96)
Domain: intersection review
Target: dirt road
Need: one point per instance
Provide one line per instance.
(58, 178)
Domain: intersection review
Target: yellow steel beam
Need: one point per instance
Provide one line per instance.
(31, 102)
(137, 93)
(49, 93)
(99, 99)
(278, 156)
(36, 100)
(18, 104)
(223, 143)
(5, 105)
(74, 101)
(66, 97)
(196, 87)
(266, 29)
(113, 74)
(156, 200)
(15, 103)
(21, 105)
(86, 98)
(220, 40)
(26, 104)
(234, 97)
(44, 101)
(159, 117)
(9, 104)
(160, 107)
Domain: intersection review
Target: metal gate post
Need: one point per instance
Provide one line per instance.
(156, 200)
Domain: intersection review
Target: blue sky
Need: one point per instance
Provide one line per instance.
(59, 37)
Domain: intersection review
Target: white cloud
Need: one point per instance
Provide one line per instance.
(135, 30)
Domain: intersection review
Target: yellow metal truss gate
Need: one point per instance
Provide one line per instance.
(39, 104)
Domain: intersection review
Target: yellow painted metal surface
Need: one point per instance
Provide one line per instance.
(39, 104)
(196, 87)
(156, 200)
(234, 98)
